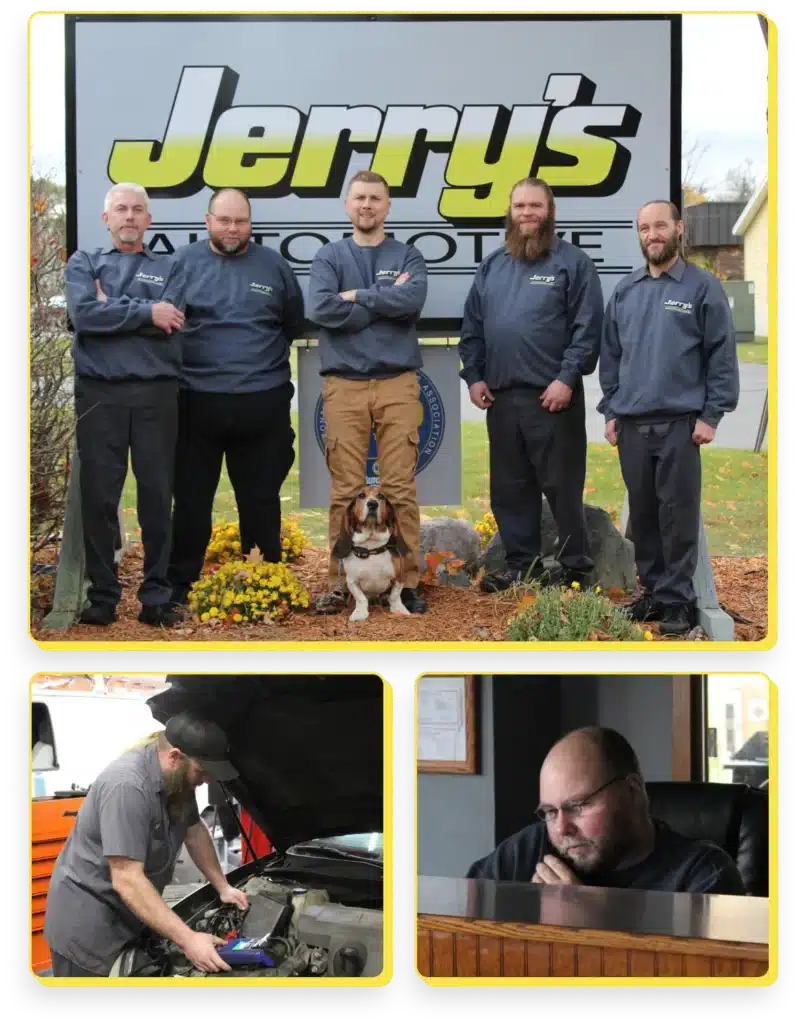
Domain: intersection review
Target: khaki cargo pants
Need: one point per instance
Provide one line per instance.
(352, 408)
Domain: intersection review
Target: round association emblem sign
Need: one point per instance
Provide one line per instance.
(431, 429)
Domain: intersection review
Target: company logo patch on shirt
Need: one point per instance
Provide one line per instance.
(149, 278)
(387, 273)
(678, 307)
(548, 280)
(264, 289)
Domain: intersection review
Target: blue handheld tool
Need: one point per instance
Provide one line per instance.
(245, 953)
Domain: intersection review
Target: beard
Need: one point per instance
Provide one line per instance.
(367, 225)
(669, 250)
(600, 854)
(229, 246)
(531, 245)
(179, 791)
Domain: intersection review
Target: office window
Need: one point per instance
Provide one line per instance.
(737, 729)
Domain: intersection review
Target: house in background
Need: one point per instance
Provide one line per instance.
(711, 239)
(752, 225)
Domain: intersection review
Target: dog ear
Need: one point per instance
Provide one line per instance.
(391, 521)
(343, 545)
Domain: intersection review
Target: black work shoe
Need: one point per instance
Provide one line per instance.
(499, 581)
(416, 605)
(98, 615)
(179, 595)
(504, 579)
(159, 615)
(677, 619)
(643, 609)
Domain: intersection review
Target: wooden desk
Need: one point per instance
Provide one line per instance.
(476, 928)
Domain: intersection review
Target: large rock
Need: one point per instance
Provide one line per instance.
(613, 554)
(456, 535)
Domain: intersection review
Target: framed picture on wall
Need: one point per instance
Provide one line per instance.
(446, 735)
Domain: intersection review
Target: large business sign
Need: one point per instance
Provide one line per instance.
(452, 110)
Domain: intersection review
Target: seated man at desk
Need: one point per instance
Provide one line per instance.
(595, 829)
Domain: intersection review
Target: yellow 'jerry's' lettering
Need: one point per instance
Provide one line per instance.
(330, 134)
(407, 133)
(202, 92)
(277, 150)
(251, 147)
(587, 134)
(469, 171)
(566, 140)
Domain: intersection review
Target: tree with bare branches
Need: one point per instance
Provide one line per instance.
(51, 419)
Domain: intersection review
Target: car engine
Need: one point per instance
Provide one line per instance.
(300, 930)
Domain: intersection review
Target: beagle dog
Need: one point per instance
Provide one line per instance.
(371, 547)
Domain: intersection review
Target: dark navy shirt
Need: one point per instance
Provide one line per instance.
(116, 340)
(242, 313)
(529, 323)
(375, 336)
(668, 347)
(676, 864)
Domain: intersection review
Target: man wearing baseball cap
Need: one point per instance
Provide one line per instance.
(107, 882)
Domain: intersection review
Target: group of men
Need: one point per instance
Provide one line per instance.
(181, 360)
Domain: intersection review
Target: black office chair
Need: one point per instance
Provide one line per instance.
(734, 817)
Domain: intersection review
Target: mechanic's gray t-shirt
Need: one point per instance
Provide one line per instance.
(124, 815)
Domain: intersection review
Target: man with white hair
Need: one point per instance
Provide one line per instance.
(123, 303)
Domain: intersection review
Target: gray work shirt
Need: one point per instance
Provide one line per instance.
(124, 815)
(116, 339)
(526, 324)
(668, 347)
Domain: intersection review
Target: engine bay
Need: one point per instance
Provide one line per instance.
(299, 931)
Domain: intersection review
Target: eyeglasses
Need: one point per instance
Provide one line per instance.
(574, 808)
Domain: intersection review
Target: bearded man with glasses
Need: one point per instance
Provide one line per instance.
(595, 828)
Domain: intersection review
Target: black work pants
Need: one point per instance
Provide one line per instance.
(662, 471)
(117, 419)
(533, 452)
(253, 433)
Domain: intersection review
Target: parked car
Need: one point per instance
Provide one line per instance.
(309, 753)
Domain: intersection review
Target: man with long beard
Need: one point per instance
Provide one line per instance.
(668, 370)
(595, 828)
(244, 308)
(531, 331)
(107, 882)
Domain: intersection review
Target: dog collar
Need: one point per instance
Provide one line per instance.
(361, 552)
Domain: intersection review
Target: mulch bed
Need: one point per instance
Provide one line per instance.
(456, 615)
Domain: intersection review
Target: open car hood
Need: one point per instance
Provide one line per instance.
(308, 749)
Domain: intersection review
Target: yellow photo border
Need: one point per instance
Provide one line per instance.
(736, 645)
(378, 981)
(550, 982)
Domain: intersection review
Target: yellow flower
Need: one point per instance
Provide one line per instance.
(575, 585)
(648, 636)
(213, 612)
(597, 590)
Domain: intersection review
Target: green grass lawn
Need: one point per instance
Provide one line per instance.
(755, 352)
(735, 488)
